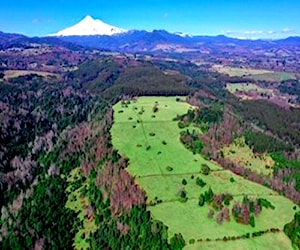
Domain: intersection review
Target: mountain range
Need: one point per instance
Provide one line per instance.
(97, 34)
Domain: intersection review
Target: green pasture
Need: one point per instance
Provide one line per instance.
(255, 74)
(159, 162)
(245, 87)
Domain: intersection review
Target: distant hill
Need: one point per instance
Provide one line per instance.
(161, 40)
(8, 40)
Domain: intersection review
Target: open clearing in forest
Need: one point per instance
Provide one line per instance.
(160, 162)
(16, 73)
(79, 204)
(239, 152)
(255, 74)
(246, 87)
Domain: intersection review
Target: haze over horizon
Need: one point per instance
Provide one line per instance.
(254, 20)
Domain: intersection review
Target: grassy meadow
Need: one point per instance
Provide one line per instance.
(78, 203)
(255, 74)
(160, 162)
(16, 73)
(234, 87)
(239, 152)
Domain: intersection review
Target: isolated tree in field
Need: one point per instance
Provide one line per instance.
(183, 195)
(252, 221)
(200, 182)
(177, 242)
(205, 169)
(201, 201)
(155, 108)
(209, 195)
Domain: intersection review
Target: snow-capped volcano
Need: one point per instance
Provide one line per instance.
(89, 27)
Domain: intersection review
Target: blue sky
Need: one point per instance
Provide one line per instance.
(247, 18)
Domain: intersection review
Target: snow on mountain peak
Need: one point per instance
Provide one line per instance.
(89, 26)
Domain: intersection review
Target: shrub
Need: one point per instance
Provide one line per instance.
(252, 221)
(227, 198)
(169, 168)
(231, 179)
(201, 201)
(192, 241)
(210, 213)
(209, 195)
(200, 182)
(184, 182)
(177, 242)
(155, 108)
(205, 169)
(265, 203)
(183, 195)
(181, 125)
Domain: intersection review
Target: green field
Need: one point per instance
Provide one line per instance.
(245, 87)
(78, 203)
(151, 142)
(240, 153)
(255, 74)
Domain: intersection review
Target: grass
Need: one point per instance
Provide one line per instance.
(159, 169)
(255, 74)
(78, 203)
(16, 73)
(234, 87)
(232, 71)
(274, 76)
(239, 152)
(262, 242)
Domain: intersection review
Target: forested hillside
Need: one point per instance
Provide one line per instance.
(64, 185)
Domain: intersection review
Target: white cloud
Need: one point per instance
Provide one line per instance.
(257, 34)
(271, 32)
(287, 31)
(253, 32)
